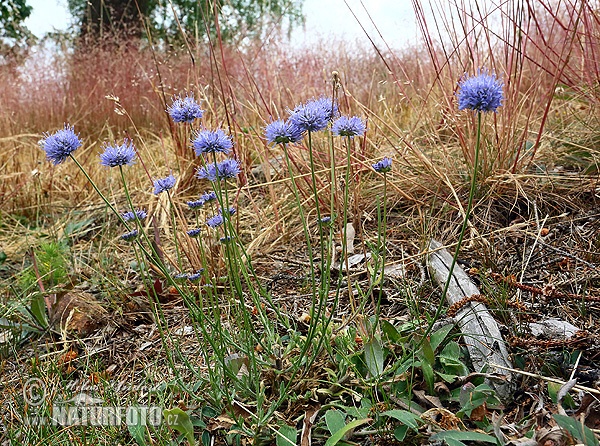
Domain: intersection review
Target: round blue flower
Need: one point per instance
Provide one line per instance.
(329, 106)
(180, 276)
(130, 236)
(164, 184)
(194, 232)
(325, 220)
(193, 277)
(195, 204)
(58, 146)
(215, 221)
(118, 155)
(228, 168)
(185, 109)
(383, 166)
(231, 211)
(345, 126)
(282, 132)
(481, 93)
(208, 141)
(226, 239)
(208, 196)
(131, 215)
(313, 115)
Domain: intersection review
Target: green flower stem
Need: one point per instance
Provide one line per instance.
(323, 293)
(163, 330)
(175, 238)
(344, 253)
(463, 228)
(108, 203)
(382, 239)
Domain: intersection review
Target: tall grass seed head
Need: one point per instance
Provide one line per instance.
(481, 93)
(209, 141)
(282, 132)
(184, 109)
(383, 166)
(164, 184)
(228, 168)
(118, 155)
(131, 215)
(59, 145)
(348, 126)
(314, 115)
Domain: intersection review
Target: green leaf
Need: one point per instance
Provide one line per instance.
(339, 435)
(577, 430)
(335, 420)
(460, 436)
(38, 309)
(427, 352)
(438, 336)
(138, 431)
(553, 389)
(404, 416)
(428, 376)
(390, 331)
(180, 421)
(400, 432)
(287, 435)
(451, 352)
(374, 357)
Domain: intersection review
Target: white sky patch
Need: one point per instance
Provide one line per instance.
(47, 16)
(325, 19)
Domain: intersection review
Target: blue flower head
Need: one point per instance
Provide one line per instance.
(58, 146)
(207, 197)
(215, 221)
(130, 236)
(204, 198)
(383, 166)
(208, 141)
(194, 232)
(131, 215)
(196, 204)
(164, 184)
(481, 93)
(282, 132)
(228, 168)
(180, 276)
(185, 109)
(345, 126)
(118, 155)
(194, 277)
(313, 115)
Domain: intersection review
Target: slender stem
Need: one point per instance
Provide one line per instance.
(463, 228)
(344, 254)
(108, 203)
